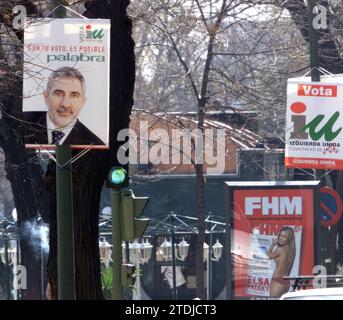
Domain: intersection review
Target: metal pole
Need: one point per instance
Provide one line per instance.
(117, 292)
(208, 273)
(60, 12)
(227, 247)
(138, 281)
(42, 284)
(65, 226)
(315, 62)
(323, 233)
(64, 198)
(209, 279)
(314, 51)
(8, 272)
(127, 252)
(18, 263)
(42, 271)
(173, 256)
(15, 268)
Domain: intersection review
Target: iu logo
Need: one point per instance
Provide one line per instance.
(302, 129)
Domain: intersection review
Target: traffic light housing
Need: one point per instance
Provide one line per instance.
(117, 178)
(132, 207)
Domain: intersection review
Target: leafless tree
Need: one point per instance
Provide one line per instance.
(215, 55)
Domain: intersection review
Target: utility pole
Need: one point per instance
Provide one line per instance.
(117, 290)
(64, 198)
(321, 245)
(172, 215)
(209, 264)
(314, 51)
(315, 77)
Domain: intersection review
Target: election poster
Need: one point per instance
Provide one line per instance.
(272, 236)
(66, 82)
(314, 123)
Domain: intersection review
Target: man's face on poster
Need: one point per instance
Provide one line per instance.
(64, 101)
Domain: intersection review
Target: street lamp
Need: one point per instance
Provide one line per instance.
(170, 254)
(105, 251)
(140, 253)
(180, 254)
(145, 251)
(166, 247)
(206, 251)
(183, 249)
(216, 250)
(134, 249)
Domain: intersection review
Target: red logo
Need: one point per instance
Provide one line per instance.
(298, 107)
(88, 27)
(314, 90)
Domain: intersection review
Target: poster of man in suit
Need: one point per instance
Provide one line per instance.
(66, 83)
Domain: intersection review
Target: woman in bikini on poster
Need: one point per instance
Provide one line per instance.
(282, 250)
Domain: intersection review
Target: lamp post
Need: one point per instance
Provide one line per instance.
(216, 250)
(183, 247)
(167, 249)
(9, 258)
(139, 253)
(105, 251)
(173, 255)
(64, 204)
(145, 251)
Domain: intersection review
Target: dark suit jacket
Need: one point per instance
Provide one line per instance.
(79, 135)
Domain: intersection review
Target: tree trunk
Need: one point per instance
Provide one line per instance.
(26, 210)
(29, 195)
(199, 268)
(23, 169)
(200, 195)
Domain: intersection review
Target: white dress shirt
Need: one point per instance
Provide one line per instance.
(51, 127)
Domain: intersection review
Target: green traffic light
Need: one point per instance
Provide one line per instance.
(118, 175)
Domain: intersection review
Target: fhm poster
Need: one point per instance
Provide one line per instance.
(272, 238)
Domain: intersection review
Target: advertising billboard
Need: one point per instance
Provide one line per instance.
(66, 82)
(272, 236)
(314, 123)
